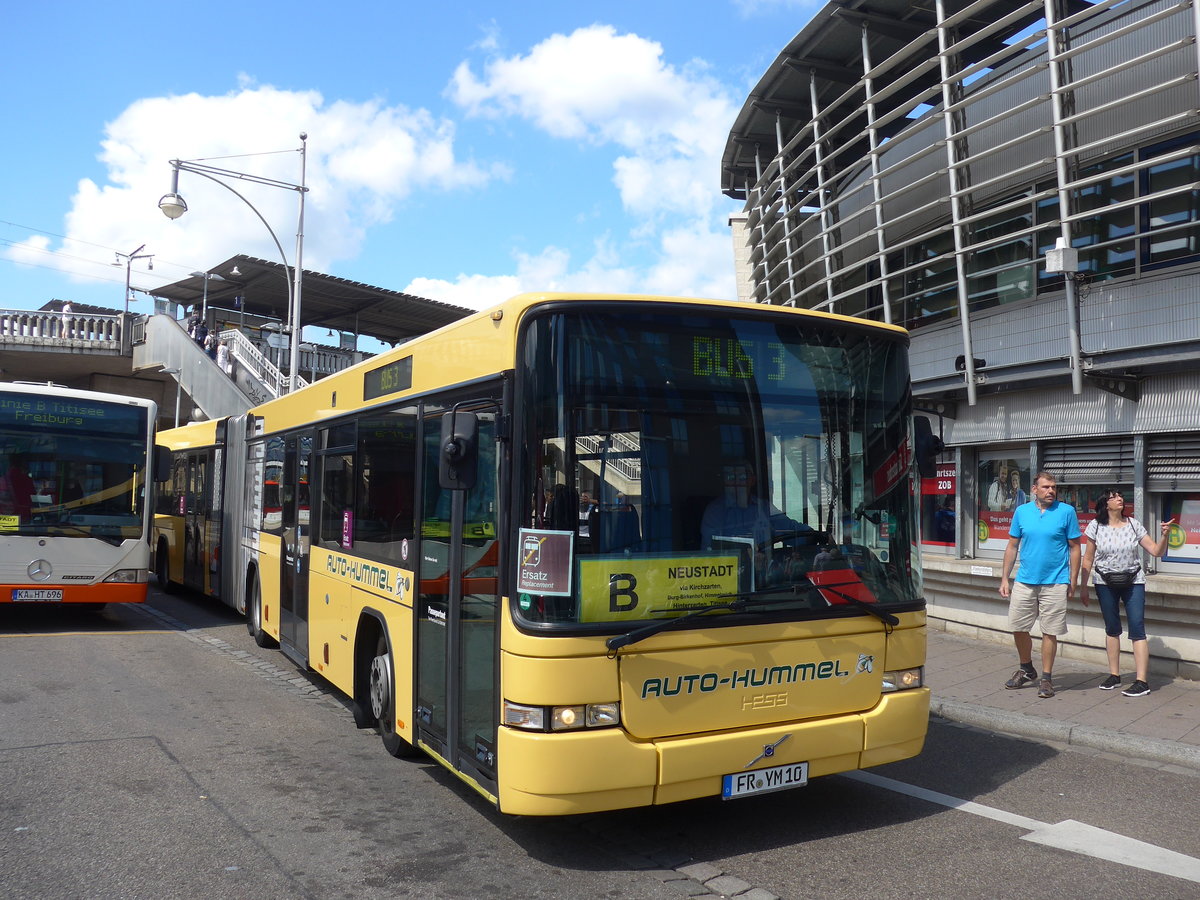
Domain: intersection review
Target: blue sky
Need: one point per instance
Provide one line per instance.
(461, 151)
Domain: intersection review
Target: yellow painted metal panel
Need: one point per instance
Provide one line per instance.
(560, 774)
(328, 603)
(906, 646)
(558, 682)
(713, 755)
(698, 690)
(900, 719)
(186, 437)
(269, 549)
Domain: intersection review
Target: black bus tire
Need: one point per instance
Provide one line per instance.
(381, 689)
(254, 617)
(162, 568)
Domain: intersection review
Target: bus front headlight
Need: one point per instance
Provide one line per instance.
(123, 576)
(562, 718)
(903, 679)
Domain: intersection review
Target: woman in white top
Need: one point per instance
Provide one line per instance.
(1113, 544)
(223, 357)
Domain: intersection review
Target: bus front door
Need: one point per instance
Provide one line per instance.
(195, 505)
(293, 561)
(457, 695)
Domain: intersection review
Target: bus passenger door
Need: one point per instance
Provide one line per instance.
(457, 694)
(293, 581)
(193, 521)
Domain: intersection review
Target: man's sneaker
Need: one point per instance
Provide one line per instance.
(1045, 689)
(1019, 679)
(1111, 682)
(1137, 689)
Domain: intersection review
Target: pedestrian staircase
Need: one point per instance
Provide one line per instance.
(165, 346)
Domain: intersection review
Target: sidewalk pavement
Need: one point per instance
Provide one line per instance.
(967, 678)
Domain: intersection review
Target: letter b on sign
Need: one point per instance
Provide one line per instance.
(621, 594)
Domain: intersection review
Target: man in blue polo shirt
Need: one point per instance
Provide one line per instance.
(1047, 534)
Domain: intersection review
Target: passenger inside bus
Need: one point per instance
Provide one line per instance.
(16, 488)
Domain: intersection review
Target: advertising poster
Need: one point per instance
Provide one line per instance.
(1183, 540)
(1003, 486)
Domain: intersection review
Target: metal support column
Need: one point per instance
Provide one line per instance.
(822, 192)
(876, 187)
(952, 171)
(1056, 40)
(762, 222)
(783, 210)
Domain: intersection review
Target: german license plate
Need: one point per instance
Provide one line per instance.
(36, 595)
(763, 781)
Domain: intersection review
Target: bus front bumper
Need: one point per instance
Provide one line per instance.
(580, 772)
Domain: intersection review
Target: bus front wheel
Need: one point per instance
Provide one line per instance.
(254, 617)
(381, 688)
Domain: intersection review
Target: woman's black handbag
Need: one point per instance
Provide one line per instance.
(1120, 579)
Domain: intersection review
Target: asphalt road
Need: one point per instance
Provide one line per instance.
(157, 753)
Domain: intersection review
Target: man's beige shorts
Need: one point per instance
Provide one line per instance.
(1028, 603)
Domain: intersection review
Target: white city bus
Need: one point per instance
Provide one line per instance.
(75, 470)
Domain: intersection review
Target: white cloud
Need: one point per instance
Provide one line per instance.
(363, 160)
(688, 263)
(601, 87)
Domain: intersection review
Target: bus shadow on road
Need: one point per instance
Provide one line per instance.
(59, 618)
(964, 763)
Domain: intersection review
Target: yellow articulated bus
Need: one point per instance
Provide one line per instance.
(595, 552)
(190, 518)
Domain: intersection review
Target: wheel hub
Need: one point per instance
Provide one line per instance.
(379, 686)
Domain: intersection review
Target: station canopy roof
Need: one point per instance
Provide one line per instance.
(903, 42)
(325, 300)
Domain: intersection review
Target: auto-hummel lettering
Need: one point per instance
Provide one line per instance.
(673, 685)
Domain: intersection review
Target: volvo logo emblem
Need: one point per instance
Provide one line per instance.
(768, 751)
(40, 569)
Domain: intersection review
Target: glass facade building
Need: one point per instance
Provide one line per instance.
(1018, 184)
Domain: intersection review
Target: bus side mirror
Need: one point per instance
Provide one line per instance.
(162, 463)
(460, 450)
(929, 445)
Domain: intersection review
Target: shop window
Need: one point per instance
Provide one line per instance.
(937, 507)
(1183, 541)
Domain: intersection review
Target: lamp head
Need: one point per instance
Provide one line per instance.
(172, 205)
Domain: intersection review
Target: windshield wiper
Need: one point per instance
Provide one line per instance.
(616, 642)
(884, 616)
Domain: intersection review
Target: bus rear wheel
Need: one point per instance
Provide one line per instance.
(381, 690)
(162, 567)
(254, 617)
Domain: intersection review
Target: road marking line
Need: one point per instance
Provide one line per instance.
(1076, 837)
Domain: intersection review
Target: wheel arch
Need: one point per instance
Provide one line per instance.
(371, 625)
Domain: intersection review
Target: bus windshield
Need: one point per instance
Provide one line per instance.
(675, 460)
(71, 467)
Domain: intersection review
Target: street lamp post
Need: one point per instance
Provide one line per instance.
(170, 370)
(173, 206)
(129, 258)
